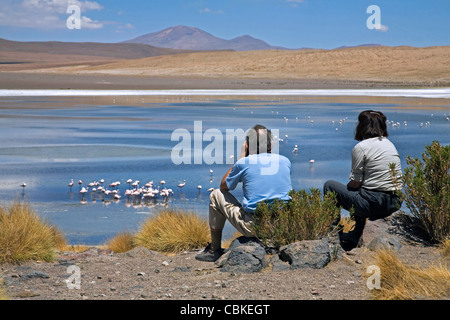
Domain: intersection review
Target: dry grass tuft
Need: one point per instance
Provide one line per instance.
(445, 248)
(25, 236)
(401, 282)
(173, 231)
(347, 224)
(122, 242)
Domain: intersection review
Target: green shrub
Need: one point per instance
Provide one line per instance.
(308, 216)
(426, 191)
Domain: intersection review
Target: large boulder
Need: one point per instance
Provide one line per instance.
(384, 243)
(245, 255)
(307, 254)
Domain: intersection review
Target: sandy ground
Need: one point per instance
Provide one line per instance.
(362, 67)
(98, 81)
(141, 274)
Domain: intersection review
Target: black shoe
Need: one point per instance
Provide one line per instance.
(350, 241)
(208, 255)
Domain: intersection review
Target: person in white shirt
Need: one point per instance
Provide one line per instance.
(371, 191)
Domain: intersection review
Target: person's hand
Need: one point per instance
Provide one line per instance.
(354, 185)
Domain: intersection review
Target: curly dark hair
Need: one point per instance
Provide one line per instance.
(371, 124)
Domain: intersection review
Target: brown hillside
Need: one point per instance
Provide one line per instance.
(15, 55)
(429, 65)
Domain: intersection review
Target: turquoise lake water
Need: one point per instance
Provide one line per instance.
(47, 146)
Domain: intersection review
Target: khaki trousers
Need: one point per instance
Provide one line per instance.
(223, 206)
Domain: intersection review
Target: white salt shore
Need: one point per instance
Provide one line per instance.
(442, 93)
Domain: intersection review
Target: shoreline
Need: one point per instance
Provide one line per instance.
(58, 81)
(443, 93)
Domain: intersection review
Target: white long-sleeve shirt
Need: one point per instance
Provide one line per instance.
(370, 164)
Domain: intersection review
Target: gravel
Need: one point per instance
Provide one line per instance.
(141, 274)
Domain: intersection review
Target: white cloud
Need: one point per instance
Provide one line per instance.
(87, 23)
(46, 14)
(124, 27)
(294, 3)
(59, 6)
(381, 27)
(208, 10)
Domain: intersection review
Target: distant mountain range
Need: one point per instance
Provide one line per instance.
(107, 50)
(190, 38)
(173, 40)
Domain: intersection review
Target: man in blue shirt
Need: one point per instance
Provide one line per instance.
(265, 176)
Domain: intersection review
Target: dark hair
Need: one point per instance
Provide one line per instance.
(371, 124)
(259, 140)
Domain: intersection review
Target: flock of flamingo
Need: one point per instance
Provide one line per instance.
(135, 191)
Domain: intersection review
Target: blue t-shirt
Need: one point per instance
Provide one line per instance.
(264, 176)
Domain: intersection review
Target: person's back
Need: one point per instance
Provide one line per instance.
(257, 186)
(371, 159)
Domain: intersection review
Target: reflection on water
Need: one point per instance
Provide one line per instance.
(48, 147)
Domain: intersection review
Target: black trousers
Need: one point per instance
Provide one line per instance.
(367, 203)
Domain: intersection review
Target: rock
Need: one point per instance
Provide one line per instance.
(94, 251)
(306, 254)
(65, 262)
(245, 255)
(27, 294)
(244, 241)
(139, 252)
(182, 269)
(386, 243)
(278, 264)
(314, 292)
(35, 274)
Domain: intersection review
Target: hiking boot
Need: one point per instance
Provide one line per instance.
(208, 255)
(350, 241)
(353, 238)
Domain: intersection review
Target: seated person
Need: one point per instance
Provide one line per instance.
(371, 190)
(265, 176)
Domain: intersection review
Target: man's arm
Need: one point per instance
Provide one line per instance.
(223, 183)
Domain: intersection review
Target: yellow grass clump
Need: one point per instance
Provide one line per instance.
(402, 282)
(347, 224)
(445, 248)
(122, 242)
(173, 231)
(25, 236)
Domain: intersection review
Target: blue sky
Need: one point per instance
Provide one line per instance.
(290, 23)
